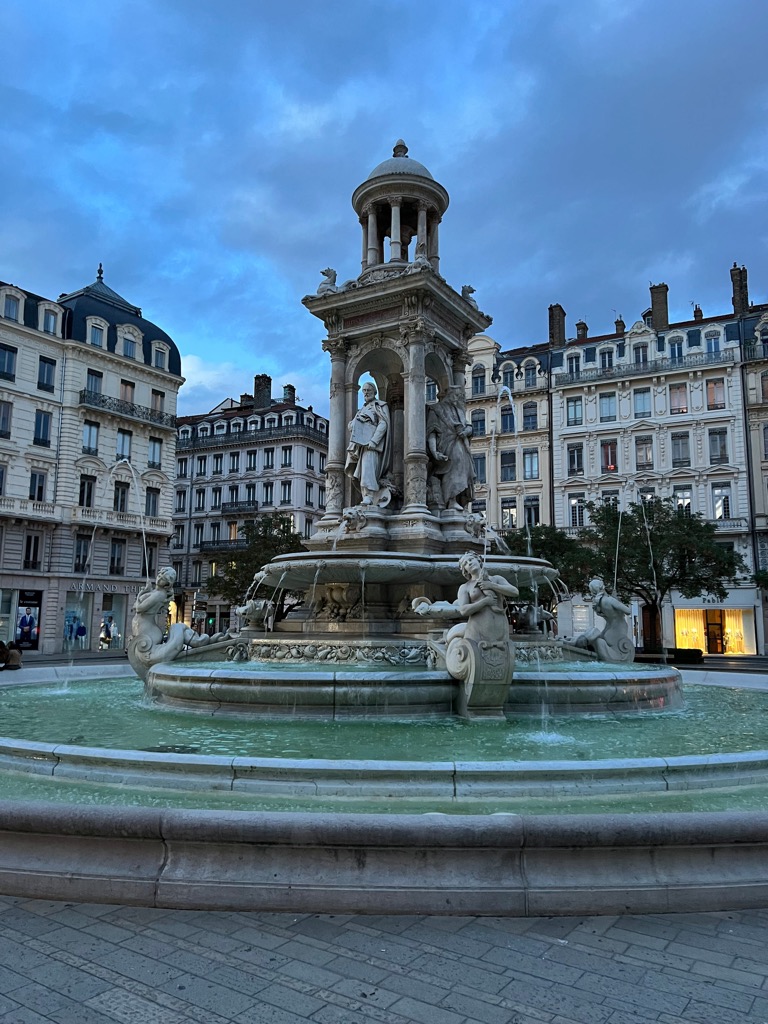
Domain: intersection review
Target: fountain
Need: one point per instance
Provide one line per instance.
(405, 619)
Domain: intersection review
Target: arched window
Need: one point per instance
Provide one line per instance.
(530, 375)
(478, 380)
(478, 423)
(508, 375)
(530, 416)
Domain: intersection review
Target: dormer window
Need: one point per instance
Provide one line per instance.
(606, 359)
(49, 321)
(220, 428)
(11, 307)
(236, 425)
(530, 375)
(203, 431)
(185, 434)
(96, 335)
(159, 357)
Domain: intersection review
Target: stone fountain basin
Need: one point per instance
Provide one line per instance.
(303, 571)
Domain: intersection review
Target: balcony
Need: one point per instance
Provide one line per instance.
(27, 508)
(119, 520)
(223, 546)
(245, 437)
(90, 451)
(754, 353)
(731, 525)
(653, 367)
(96, 400)
(239, 507)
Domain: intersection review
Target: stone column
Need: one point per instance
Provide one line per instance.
(421, 236)
(415, 489)
(373, 238)
(433, 246)
(364, 258)
(337, 430)
(395, 245)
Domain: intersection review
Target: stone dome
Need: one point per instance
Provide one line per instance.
(400, 163)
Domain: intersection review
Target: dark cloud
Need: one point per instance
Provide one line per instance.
(207, 153)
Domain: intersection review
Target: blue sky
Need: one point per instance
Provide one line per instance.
(206, 154)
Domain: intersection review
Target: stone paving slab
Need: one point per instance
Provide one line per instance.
(67, 962)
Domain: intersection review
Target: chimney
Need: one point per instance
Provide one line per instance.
(621, 327)
(697, 313)
(581, 330)
(289, 394)
(740, 290)
(556, 324)
(262, 391)
(659, 307)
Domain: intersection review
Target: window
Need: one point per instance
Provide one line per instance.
(149, 560)
(152, 502)
(124, 444)
(530, 416)
(181, 501)
(216, 498)
(430, 394)
(508, 376)
(32, 548)
(160, 358)
(269, 458)
(678, 399)
(202, 465)
(37, 485)
(82, 552)
(530, 464)
(200, 500)
(309, 494)
(508, 513)
(764, 386)
(682, 499)
(606, 359)
(251, 463)
(117, 558)
(531, 511)
(640, 355)
(530, 375)
(218, 464)
(321, 496)
(90, 438)
(675, 350)
(287, 459)
(610, 498)
(197, 535)
(158, 400)
(716, 394)
(233, 531)
(712, 339)
(234, 462)
(2, 485)
(681, 450)
(127, 391)
(609, 456)
(478, 461)
(11, 308)
(96, 336)
(216, 532)
(644, 452)
(250, 493)
(285, 492)
(508, 466)
(181, 467)
(307, 526)
(269, 493)
(197, 573)
(608, 407)
(478, 380)
(129, 348)
(8, 362)
(642, 401)
(46, 374)
(6, 411)
(507, 420)
(94, 381)
(178, 537)
(87, 491)
(646, 494)
(234, 494)
(718, 446)
(576, 508)
(478, 423)
(155, 453)
(120, 500)
(574, 412)
(42, 429)
(575, 455)
(321, 466)
(765, 442)
(721, 501)
(574, 365)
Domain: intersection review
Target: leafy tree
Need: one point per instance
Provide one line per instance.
(270, 535)
(567, 554)
(654, 549)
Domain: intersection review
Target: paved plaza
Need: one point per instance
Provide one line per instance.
(89, 964)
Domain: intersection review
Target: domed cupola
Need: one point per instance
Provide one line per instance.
(401, 201)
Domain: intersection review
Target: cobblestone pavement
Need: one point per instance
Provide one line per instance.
(85, 964)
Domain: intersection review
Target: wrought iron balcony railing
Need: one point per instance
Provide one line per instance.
(223, 545)
(653, 366)
(238, 507)
(96, 400)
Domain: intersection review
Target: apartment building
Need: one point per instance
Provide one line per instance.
(88, 391)
(243, 458)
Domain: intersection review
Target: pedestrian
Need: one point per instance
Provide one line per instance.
(105, 636)
(14, 657)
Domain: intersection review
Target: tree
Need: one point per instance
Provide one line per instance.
(655, 548)
(569, 556)
(270, 535)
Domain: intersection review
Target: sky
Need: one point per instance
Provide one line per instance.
(206, 154)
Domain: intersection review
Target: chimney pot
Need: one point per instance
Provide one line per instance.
(581, 329)
(697, 313)
(621, 327)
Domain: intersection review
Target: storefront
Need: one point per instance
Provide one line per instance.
(715, 629)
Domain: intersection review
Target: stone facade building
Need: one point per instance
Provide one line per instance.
(88, 392)
(241, 459)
